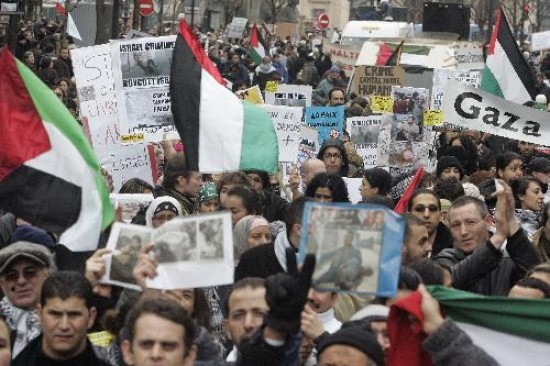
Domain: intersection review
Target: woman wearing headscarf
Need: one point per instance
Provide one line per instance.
(161, 210)
(250, 231)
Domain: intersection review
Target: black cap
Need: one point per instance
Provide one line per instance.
(357, 338)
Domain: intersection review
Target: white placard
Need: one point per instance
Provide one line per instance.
(540, 41)
(236, 28)
(286, 121)
(290, 95)
(141, 71)
(364, 133)
(126, 162)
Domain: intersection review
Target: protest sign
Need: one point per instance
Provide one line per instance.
(133, 138)
(540, 41)
(478, 110)
(433, 117)
(309, 144)
(130, 203)
(400, 143)
(364, 133)
(96, 95)
(441, 79)
(377, 80)
(196, 251)
(346, 54)
(141, 70)
(290, 95)
(252, 95)
(271, 86)
(236, 28)
(286, 121)
(357, 248)
(381, 104)
(126, 162)
(329, 121)
(468, 55)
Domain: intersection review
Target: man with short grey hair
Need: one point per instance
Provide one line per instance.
(24, 267)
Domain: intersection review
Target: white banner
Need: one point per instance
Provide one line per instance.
(126, 162)
(309, 144)
(286, 121)
(478, 110)
(290, 95)
(540, 41)
(98, 103)
(141, 70)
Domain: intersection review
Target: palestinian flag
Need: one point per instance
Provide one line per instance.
(220, 132)
(506, 73)
(391, 54)
(512, 331)
(49, 175)
(257, 50)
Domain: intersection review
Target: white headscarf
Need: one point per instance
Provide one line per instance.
(155, 204)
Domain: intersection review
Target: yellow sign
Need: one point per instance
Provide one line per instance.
(433, 117)
(101, 339)
(253, 95)
(136, 137)
(271, 86)
(381, 104)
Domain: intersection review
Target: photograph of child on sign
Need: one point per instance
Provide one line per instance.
(210, 240)
(126, 244)
(347, 255)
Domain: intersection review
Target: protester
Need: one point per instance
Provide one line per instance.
(376, 181)
(208, 198)
(250, 231)
(273, 206)
(529, 201)
(327, 187)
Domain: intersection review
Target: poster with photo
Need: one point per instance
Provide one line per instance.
(195, 251)
(410, 104)
(141, 71)
(364, 133)
(290, 95)
(401, 143)
(125, 242)
(130, 203)
(357, 248)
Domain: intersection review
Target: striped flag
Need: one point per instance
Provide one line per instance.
(512, 331)
(49, 175)
(506, 73)
(257, 50)
(391, 54)
(60, 6)
(220, 132)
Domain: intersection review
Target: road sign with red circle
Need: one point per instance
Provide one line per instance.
(323, 20)
(146, 7)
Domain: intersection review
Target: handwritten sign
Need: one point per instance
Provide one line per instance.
(433, 117)
(327, 121)
(128, 161)
(128, 139)
(377, 80)
(382, 104)
(286, 121)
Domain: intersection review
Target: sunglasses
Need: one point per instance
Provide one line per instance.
(432, 208)
(28, 273)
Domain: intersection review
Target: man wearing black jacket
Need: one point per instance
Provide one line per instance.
(478, 263)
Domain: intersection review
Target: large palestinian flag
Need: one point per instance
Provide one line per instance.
(512, 331)
(49, 175)
(220, 132)
(506, 73)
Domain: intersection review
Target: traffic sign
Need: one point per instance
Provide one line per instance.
(323, 21)
(146, 7)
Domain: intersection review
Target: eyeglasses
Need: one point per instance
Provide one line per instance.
(420, 208)
(28, 273)
(330, 156)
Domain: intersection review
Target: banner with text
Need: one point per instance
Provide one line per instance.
(347, 55)
(478, 110)
(441, 80)
(141, 69)
(126, 162)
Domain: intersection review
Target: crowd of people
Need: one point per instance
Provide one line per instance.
(480, 222)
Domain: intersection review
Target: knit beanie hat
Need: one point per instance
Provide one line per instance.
(378, 178)
(354, 337)
(445, 162)
(208, 192)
